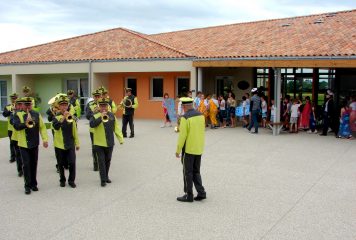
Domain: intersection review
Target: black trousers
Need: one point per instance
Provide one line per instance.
(12, 148)
(95, 161)
(191, 169)
(66, 158)
(128, 119)
(29, 159)
(103, 155)
(18, 156)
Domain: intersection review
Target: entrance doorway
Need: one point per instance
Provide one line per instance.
(224, 84)
(81, 88)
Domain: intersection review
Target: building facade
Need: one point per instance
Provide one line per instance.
(300, 56)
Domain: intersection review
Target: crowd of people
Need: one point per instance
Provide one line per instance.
(256, 110)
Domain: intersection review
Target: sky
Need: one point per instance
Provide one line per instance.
(25, 23)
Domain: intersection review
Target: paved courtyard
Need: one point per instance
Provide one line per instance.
(296, 186)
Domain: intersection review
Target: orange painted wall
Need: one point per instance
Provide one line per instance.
(148, 109)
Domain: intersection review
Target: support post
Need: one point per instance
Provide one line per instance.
(277, 99)
(200, 79)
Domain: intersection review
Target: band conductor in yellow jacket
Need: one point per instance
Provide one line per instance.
(190, 148)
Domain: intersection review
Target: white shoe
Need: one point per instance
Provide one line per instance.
(316, 131)
(309, 131)
(162, 126)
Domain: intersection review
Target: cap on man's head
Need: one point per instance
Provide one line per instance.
(14, 96)
(27, 100)
(19, 100)
(186, 100)
(253, 90)
(102, 89)
(128, 89)
(70, 92)
(103, 101)
(96, 93)
(62, 99)
(26, 89)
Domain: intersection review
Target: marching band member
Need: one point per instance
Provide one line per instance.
(92, 108)
(30, 125)
(128, 112)
(104, 124)
(74, 101)
(6, 113)
(65, 141)
(112, 105)
(14, 136)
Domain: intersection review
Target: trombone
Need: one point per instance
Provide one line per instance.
(29, 121)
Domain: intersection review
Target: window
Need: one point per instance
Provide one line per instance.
(182, 86)
(131, 83)
(3, 94)
(262, 79)
(156, 89)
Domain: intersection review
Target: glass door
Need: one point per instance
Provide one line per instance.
(81, 88)
(3, 96)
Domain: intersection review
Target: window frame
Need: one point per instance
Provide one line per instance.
(152, 98)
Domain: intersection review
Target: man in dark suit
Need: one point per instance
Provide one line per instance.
(328, 110)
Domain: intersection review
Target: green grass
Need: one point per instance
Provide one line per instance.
(3, 128)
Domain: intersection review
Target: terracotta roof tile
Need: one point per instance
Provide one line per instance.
(116, 43)
(315, 35)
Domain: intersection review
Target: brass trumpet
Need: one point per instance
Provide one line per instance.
(69, 118)
(104, 117)
(29, 122)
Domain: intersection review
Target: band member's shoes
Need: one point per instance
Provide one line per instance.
(108, 181)
(185, 198)
(131, 136)
(125, 136)
(12, 160)
(199, 197)
(27, 191)
(103, 184)
(20, 174)
(72, 184)
(35, 189)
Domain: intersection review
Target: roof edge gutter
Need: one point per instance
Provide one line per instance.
(276, 58)
(100, 61)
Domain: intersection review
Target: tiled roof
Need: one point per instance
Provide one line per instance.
(116, 43)
(322, 35)
(330, 34)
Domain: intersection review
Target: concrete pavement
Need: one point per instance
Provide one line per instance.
(293, 186)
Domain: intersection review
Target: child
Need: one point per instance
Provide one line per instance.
(312, 121)
(273, 111)
(264, 111)
(294, 116)
(245, 110)
(222, 111)
(165, 105)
